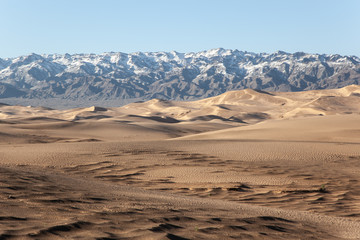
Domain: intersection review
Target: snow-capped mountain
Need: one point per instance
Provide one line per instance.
(120, 78)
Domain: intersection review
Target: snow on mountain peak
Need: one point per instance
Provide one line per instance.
(171, 75)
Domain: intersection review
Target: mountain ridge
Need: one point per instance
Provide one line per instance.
(115, 78)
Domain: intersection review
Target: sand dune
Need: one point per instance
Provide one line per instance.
(242, 165)
(333, 128)
(247, 105)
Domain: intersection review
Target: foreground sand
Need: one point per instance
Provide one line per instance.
(238, 166)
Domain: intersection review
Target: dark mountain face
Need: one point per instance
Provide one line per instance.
(118, 78)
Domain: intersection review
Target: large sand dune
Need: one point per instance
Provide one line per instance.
(242, 165)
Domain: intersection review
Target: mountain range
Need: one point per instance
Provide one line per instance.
(114, 79)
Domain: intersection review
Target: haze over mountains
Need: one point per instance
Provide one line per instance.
(114, 79)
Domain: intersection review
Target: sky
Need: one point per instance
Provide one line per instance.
(97, 26)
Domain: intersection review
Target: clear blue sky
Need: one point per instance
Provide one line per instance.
(89, 26)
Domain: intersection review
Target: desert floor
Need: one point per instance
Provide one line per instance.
(289, 169)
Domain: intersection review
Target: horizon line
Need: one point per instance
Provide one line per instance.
(190, 52)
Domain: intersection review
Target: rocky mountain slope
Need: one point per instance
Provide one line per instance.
(112, 79)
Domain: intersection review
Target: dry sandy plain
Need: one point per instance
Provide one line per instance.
(243, 165)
